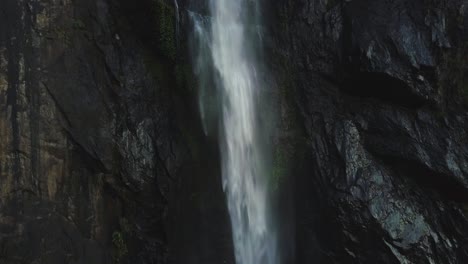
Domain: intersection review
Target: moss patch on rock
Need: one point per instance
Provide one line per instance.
(120, 246)
(165, 28)
(454, 73)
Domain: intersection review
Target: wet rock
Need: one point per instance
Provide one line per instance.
(97, 141)
(87, 147)
(384, 177)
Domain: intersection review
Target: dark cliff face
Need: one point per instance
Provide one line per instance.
(102, 155)
(102, 158)
(380, 89)
(89, 149)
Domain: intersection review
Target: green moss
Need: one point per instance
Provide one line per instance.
(78, 24)
(283, 18)
(120, 246)
(454, 73)
(280, 169)
(119, 240)
(125, 226)
(164, 14)
(291, 143)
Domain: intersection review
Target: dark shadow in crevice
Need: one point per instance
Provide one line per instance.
(383, 87)
(446, 186)
(141, 18)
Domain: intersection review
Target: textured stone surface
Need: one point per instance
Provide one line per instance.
(384, 176)
(100, 140)
(87, 148)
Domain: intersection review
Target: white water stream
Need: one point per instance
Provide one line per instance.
(225, 45)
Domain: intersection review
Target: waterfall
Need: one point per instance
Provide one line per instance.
(203, 68)
(226, 48)
(177, 22)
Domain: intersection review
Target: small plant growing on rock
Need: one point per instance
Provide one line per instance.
(120, 246)
(165, 28)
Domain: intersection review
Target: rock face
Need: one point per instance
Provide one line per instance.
(379, 87)
(88, 148)
(102, 158)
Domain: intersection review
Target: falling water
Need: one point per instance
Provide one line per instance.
(226, 42)
(177, 22)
